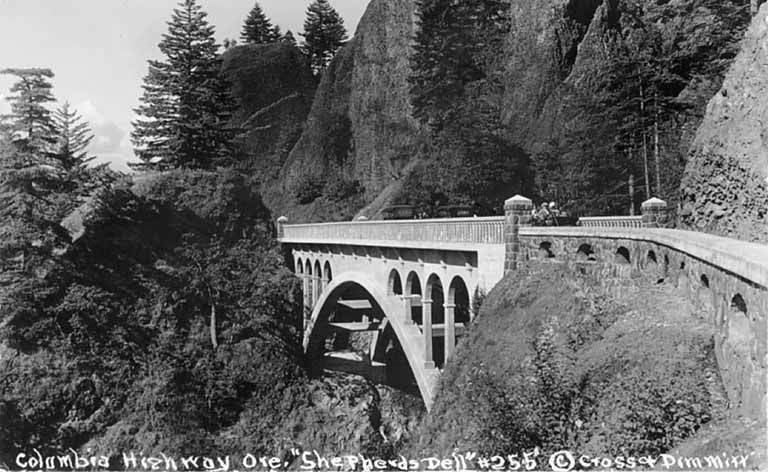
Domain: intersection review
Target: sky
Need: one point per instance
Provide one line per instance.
(98, 51)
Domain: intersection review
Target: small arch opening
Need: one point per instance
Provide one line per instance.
(622, 256)
(458, 295)
(586, 253)
(545, 250)
(704, 280)
(682, 265)
(395, 285)
(413, 290)
(738, 304)
(327, 273)
(434, 291)
(652, 257)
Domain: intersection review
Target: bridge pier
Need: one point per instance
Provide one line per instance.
(450, 330)
(315, 288)
(407, 308)
(429, 358)
(305, 291)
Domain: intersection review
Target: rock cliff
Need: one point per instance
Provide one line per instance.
(360, 140)
(725, 188)
(275, 88)
(360, 131)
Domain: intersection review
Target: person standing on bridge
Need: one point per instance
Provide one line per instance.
(543, 215)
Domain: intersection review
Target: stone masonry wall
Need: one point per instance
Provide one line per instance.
(736, 308)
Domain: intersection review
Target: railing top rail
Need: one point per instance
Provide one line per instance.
(400, 222)
(609, 218)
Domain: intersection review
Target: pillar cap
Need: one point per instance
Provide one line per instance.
(361, 218)
(654, 203)
(518, 201)
(282, 219)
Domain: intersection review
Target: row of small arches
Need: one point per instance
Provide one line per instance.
(622, 256)
(457, 289)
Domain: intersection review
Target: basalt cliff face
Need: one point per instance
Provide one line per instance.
(725, 188)
(360, 132)
(360, 139)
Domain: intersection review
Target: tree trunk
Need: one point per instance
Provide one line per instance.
(645, 142)
(656, 152)
(214, 342)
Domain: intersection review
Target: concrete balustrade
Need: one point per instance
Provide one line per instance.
(611, 222)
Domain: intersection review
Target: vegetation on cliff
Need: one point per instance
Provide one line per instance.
(560, 359)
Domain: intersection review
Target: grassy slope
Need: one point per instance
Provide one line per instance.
(605, 364)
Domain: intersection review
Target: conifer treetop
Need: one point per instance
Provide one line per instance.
(258, 29)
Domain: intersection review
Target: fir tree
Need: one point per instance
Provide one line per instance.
(72, 136)
(457, 44)
(289, 38)
(258, 29)
(29, 122)
(186, 106)
(324, 34)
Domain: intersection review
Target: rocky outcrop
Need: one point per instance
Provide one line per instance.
(545, 50)
(725, 187)
(360, 133)
(274, 87)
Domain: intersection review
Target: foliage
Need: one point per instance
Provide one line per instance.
(575, 371)
(309, 188)
(72, 136)
(452, 50)
(186, 106)
(658, 66)
(456, 90)
(324, 34)
(289, 38)
(340, 187)
(122, 343)
(258, 29)
(29, 120)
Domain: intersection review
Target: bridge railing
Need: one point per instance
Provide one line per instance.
(611, 222)
(486, 230)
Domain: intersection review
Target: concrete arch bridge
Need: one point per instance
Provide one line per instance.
(389, 299)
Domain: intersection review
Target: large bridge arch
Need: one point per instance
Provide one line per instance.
(392, 309)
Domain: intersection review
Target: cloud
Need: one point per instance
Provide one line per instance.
(5, 107)
(107, 135)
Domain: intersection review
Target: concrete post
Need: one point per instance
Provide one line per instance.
(654, 213)
(407, 311)
(517, 213)
(305, 289)
(426, 310)
(450, 330)
(281, 222)
(315, 288)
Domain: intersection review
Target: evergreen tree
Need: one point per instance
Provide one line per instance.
(289, 38)
(457, 44)
(186, 106)
(72, 136)
(258, 29)
(324, 34)
(29, 122)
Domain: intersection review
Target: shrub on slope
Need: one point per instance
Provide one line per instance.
(560, 362)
